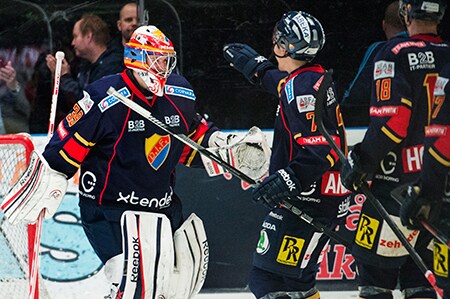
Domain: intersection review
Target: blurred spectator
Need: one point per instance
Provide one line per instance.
(126, 24)
(15, 107)
(90, 40)
(355, 103)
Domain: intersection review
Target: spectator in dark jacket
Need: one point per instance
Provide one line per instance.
(90, 40)
(126, 24)
(15, 108)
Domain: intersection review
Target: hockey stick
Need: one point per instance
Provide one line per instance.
(321, 97)
(189, 142)
(397, 195)
(35, 229)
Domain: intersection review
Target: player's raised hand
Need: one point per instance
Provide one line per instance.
(247, 61)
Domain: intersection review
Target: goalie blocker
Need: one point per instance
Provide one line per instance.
(39, 187)
(156, 265)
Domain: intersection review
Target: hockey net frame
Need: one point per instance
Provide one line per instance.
(19, 260)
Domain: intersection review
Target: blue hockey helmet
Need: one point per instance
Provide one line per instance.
(429, 10)
(300, 34)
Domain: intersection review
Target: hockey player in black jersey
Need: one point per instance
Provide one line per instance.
(429, 197)
(302, 166)
(129, 211)
(390, 155)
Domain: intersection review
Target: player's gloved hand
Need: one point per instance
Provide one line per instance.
(276, 187)
(352, 174)
(415, 208)
(247, 61)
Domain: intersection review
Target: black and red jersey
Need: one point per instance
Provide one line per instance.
(297, 142)
(405, 74)
(124, 158)
(436, 155)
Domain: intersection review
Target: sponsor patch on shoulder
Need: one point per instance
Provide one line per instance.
(85, 103)
(383, 69)
(289, 90)
(110, 100)
(440, 86)
(306, 103)
(180, 92)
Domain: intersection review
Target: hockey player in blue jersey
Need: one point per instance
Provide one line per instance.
(390, 155)
(129, 211)
(302, 166)
(430, 195)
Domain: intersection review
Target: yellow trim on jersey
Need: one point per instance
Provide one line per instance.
(298, 136)
(83, 141)
(406, 102)
(280, 83)
(439, 158)
(68, 160)
(390, 135)
(194, 152)
(330, 158)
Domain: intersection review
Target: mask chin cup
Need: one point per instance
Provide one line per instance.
(154, 83)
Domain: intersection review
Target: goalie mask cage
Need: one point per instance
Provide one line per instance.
(17, 241)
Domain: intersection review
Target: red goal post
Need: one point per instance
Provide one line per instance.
(19, 262)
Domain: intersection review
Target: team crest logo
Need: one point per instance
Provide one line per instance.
(157, 149)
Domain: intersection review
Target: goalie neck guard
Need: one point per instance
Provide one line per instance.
(152, 56)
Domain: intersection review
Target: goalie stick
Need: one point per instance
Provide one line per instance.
(189, 142)
(321, 97)
(35, 229)
(397, 195)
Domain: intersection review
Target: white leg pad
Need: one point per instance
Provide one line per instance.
(192, 254)
(157, 265)
(149, 255)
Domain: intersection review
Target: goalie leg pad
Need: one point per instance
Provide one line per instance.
(39, 187)
(192, 255)
(148, 255)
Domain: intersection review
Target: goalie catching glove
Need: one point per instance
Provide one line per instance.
(249, 154)
(39, 187)
(247, 61)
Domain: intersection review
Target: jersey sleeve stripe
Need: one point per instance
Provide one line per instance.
(75, 150)
(390, 135)
(439, 158)
(68, 160)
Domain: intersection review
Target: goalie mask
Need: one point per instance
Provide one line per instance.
(152, 56)
(428, 10)
(300, 34)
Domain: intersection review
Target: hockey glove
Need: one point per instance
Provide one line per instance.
(247, 61)
(352, 174)
(278, 186)
(416, 208)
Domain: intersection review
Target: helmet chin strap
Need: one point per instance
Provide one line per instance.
(153, 83)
